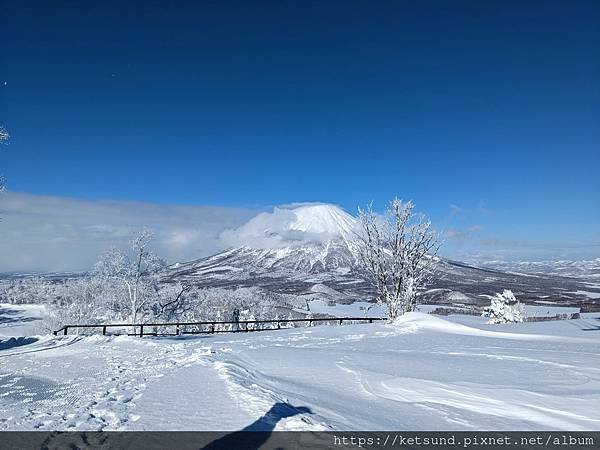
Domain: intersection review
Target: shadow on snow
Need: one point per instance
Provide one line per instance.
(256, 434)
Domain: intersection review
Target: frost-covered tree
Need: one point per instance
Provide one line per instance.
(505, 308)
(133, 275)
(30, 290)
(79, 301)
(3, 139)
(398, 251)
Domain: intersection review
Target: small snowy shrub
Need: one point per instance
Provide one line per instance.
(505, 308)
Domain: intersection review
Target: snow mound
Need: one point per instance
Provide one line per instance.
(416, 321)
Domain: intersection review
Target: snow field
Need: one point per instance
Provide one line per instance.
(420, 373)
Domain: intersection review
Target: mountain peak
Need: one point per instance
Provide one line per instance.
(291, 225)
(323, 219)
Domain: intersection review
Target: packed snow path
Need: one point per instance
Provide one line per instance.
(423, 372)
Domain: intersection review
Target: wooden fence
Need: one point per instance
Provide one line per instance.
(211, 327)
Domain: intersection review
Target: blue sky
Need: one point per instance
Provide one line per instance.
(485, 114)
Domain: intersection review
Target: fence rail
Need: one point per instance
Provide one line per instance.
(241, 325)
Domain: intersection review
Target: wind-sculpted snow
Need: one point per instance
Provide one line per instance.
(428, 322)
(420, 372)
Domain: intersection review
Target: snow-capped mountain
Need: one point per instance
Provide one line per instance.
(292, 250)
(323, 220)
(292, 226)
(297, 248)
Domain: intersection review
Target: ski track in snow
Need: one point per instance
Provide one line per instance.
(422, 372)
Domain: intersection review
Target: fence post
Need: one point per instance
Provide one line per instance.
(177, 329)
(66, 330)
(279, 325)
(141, 330)
(341, 321)
(212, 328)
(104, 330)
(370, 320)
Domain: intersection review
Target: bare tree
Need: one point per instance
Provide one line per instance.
(175, 300)
(398, 251)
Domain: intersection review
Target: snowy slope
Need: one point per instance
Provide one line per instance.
(422, 372)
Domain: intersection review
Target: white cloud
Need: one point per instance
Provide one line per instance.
(454, 209)
(266, 230)
(44, 233)
(469, 233)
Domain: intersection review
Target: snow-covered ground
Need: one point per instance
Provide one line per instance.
(423, 372)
